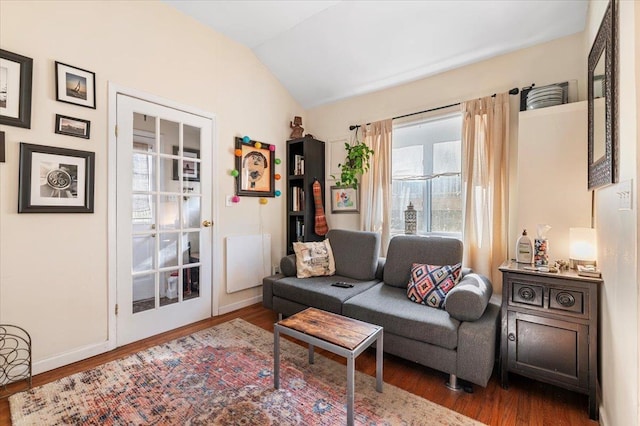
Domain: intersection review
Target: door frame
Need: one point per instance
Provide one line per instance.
(216, 251)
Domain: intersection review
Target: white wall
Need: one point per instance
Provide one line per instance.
(618, 234)
(53, 267)
(556, 61)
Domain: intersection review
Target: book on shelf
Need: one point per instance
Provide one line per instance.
(298, 165)
(297, 199)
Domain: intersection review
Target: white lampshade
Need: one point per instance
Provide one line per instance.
(582, 244)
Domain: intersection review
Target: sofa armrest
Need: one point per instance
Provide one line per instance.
(469, 298)
(477, 342)
(288, 266)
(380, 268)
(267, 290)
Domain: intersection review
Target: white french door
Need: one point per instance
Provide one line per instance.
(163, 218)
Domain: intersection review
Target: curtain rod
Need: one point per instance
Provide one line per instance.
(513, 91)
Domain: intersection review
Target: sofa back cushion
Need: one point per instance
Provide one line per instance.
(405, 250)
(355, 253)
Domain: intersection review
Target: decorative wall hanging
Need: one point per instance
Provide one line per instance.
(15, 89)
(296, 125)
(55, 180)
(190, 169)
(75, 85)
(72, 126)
(255, 168)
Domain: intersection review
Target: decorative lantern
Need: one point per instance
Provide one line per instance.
(410, 220)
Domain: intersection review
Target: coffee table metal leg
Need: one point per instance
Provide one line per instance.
(350, 388)
(276, 358)
(311, 351)
(379, 363)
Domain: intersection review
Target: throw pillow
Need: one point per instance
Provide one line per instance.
(429, 284)
(314, 259)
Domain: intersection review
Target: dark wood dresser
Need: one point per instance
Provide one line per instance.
(550, 329)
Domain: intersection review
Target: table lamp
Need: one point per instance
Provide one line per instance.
(582, 247)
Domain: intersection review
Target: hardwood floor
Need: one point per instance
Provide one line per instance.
(526, 402)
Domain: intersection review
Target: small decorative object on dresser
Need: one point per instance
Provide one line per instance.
(550, 328)
(410, 219)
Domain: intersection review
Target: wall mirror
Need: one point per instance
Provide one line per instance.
(602, 99)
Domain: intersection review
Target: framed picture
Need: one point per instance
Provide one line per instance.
(72, 126)
(2, 155)
(55, 180)
(75, 85)
(15, 89)
(344, 200)
(255, 166)
(190, 169)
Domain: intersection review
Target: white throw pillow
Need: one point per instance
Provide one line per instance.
(314, 259)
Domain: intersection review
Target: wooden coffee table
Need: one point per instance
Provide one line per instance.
(343, 336)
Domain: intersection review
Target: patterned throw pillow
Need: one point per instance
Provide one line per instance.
(429, 284)
(314, 259)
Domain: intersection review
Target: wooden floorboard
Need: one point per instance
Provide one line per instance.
(526, 402)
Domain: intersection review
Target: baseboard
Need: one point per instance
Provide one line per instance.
(239, 305)
(603, 416)
(70, 357)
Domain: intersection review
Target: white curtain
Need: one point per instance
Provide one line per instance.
(375, 185)
(485, 137)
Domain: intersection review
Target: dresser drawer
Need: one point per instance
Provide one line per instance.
(527, 293)
(566, 300)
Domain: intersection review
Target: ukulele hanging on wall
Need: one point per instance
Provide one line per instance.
(321, 227)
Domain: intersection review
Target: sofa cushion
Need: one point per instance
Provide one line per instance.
(429, 284)
(318, 291)
(389, 307)
(314, 259)
(355, 253)
(468, 300)
(405, 250)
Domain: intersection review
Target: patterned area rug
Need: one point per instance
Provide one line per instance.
(221, 376)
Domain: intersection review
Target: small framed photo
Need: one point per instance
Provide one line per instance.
(55, 180)
(72, 126)
(16, 73)
(255, 166)
(2, 154)
(75, 85)
(344, 200)
(190, 169)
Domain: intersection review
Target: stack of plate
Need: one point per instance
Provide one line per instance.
(541, 97)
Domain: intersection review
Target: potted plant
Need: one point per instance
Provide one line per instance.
(356, 163)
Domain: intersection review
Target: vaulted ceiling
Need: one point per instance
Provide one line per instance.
(324, 51)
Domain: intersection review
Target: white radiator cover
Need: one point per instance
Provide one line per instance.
(248, 261)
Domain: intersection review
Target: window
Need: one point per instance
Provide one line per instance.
(425, 170)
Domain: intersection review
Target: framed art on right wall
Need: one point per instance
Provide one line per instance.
(15, 89)
(344, 200)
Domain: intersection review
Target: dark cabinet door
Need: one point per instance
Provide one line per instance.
(548, 349)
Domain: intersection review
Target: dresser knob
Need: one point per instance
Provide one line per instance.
(511, 337)
(526, 293)
(565, 299)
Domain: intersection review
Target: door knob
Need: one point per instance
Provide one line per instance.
(207, 223)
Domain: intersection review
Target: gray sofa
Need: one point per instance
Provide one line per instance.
(459, 340)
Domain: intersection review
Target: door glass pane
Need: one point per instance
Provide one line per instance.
(168, 255)
(191, 212)
(169, 285)
(143, 287)
(192, 272)
(169, 212)
(192, 137)
(169, 175)
(169, 136)
(144, 132)
(144, 248)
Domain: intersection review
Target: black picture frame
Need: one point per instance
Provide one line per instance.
(190, 169)
(604, 169)
(2, 148)
(55, 180)
(71, 126)
(15, 102)
(75, 85)
(255, 166)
